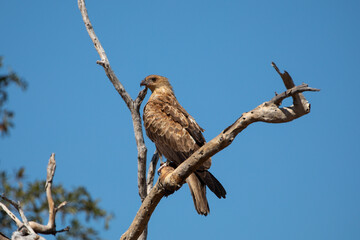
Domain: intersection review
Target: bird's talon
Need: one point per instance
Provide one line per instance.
(162, 165)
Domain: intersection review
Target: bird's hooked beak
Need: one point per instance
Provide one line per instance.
(143, 83)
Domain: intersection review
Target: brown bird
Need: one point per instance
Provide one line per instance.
(177, 136)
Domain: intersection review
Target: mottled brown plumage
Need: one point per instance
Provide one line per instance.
(176, 136)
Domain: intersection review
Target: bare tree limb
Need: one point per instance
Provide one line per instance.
(8, 212)
(143, 215)
(3, 237)
(298, 99)
(50, 228)
(60, 206)
(104, 60)
(151, 171)
(142, 151)
(277, 100)
(140, 98)
(49, 178)
(134, 106)
(171, 180)
(34, 227)
(22, 226)
(25, 221)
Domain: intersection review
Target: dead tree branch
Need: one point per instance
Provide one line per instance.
(133, 105)
(50, 228)
(3, 237)
(24, 229)
(9, 213)
(172, 179)
(151, 171)
(34, 227)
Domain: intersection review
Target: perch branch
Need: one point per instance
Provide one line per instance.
(171, 180)
(143, 215)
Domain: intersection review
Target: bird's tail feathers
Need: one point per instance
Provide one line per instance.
(213, 184)
(198, 192)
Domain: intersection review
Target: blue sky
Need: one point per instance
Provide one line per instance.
(298, 180)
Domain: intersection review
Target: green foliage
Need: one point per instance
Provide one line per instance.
(81, 206)
(6, 79)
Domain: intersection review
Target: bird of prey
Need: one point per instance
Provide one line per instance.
(177, 136)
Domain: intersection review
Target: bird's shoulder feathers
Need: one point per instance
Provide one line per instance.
(167, 122)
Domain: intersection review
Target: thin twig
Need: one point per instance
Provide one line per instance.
(34, 227)
(25, 221)
(11, 215)
(17, 206)
(140, 98)
(3, 237)
(63, 230)
(298, 99)
(63, 204)
(151, 171)
(13, 203)
(104, 62)
(49, 178)
(290, 92)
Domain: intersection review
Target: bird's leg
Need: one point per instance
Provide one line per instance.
(162, 165)
(161, 160)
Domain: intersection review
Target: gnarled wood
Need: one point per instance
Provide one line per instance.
(33, 227)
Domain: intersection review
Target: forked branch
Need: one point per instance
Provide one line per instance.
(133, 105)
(34, 227)
(172, 179)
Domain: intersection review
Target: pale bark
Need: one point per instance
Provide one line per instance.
(33, 227)
(133, 105)
(3, 237)
(151, 171)
(17, 221)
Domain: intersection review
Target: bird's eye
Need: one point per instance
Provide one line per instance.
(154, 79)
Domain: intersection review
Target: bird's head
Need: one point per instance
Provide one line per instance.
(155, 81)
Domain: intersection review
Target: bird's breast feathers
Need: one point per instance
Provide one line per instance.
(167, 124)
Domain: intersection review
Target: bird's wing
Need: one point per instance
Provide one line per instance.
(174, 131)
(190, 124)
(173, 108)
